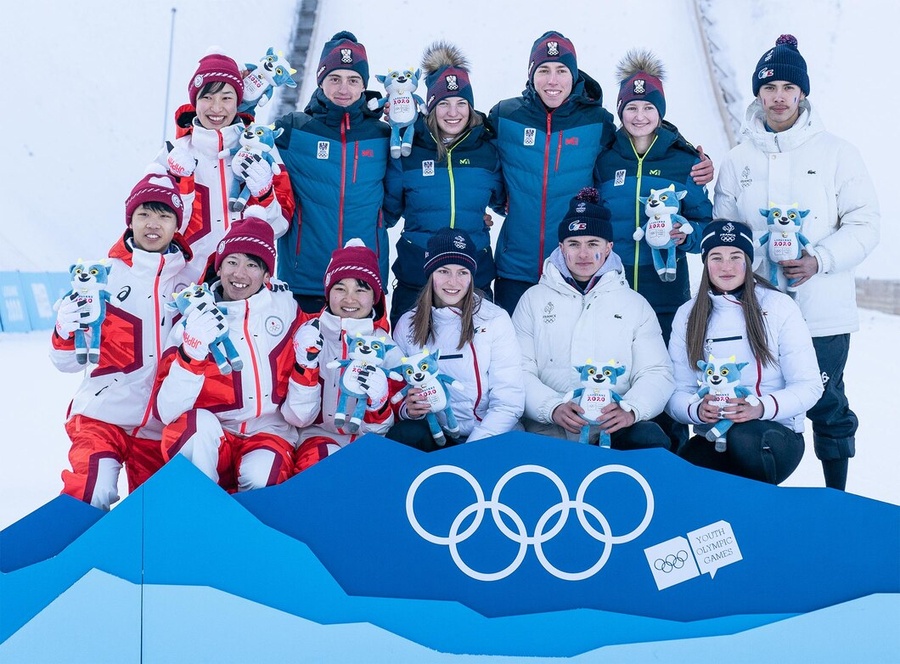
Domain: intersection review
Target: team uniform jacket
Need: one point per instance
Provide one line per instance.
(246, 402)
(313, 394)
(451, 193)
(621, 177)
(559, 328)
(787, 389)
(489, 367)
(547, 158)
(133, 336)
(336, 158)
(211, 182)
(821, 173)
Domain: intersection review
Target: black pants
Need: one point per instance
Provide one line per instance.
(640, 436)
(834, 424)
(415, 433)
(508, 292)
(310, 304)
(764, 451)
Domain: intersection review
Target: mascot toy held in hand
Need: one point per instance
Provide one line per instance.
(199, 298)
(365, 355)
(783, 240)
(596, 392)
(721, 380)
(256, 143)
(89, 280)
(661, 208)
(260, 82)
(403, 107)
(421, 371)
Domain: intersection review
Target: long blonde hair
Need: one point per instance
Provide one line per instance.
(431, 122)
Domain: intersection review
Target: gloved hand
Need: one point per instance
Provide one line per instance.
(374, 382)
(200, 330)
(69, 315)
(257, 174)
(307, 345)
(181, 162)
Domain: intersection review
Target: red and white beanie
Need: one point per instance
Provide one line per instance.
(354, 261)
(157, 186)
(216, 67)
(252, 235)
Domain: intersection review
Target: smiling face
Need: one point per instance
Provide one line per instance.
(584, 255)
(343, 87)
(241, 276)
(781, 102)
(153, 230)
(217, 110)
(351, 298)
(450, 284)
(727, 268)
(452, 115)
(553, 83)
(640, 119)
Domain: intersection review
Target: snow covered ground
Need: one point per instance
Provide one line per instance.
(94, 113)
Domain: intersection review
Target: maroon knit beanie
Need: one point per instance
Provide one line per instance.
(552, 47)
(354, 261)
(342, 51)
(212, 68)
(252, 236)
(157, 186)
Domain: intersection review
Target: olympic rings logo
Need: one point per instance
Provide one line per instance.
(671, 562)
(520, 535)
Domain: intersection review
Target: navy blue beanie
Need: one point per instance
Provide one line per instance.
(725, 233)
(586, 216)
(782, 63)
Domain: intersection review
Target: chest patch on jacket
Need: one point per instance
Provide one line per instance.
(530, 134)
(323, 149)
(427, 168)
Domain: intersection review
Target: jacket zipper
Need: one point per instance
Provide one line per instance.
(256, 375)
(345, 123)
(549, 135)
(157, 335)
(223, 187)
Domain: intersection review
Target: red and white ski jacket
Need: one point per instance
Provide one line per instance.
(246, 402)
(133, 335)
(212, 180)
(313, 393)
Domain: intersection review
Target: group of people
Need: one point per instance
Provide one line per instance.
(299, 279)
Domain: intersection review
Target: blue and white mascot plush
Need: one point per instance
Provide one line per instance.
(256, 143)
(89, 280)
(661, 208)
(200, 298)
(421, 371)
(783, 239)
(365, 354)
(722, 380)
(260, 81)
(403, 107)
(596, 392)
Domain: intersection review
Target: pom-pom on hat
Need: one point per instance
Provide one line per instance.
(216, 67)
(586, 216)
(782, 63)
(640, 74)
(157, 186)
(450, 246)
(446, 74)
(342, 51)
(252, 235)
(552, 47)
(354, 261)
(724, 233)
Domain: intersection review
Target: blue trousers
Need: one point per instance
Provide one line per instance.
(834, 424)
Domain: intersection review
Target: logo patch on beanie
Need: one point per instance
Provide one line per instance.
(221, 248)
(727, 234)
(577, 226)
(198, 81)
(346, 56)
(639, 86)
(459, 242)
(769, 55)
(580, 208)
(176, 201)
(765, 72)
(451, 82)
(552, 48)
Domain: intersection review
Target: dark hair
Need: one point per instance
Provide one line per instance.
(158, 207)
(698, 320)
(212, 88)
(431, 122)
(423, 324)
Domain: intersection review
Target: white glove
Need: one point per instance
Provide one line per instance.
(307, 345)
(374, 382)
(68, 316)
(200, 330)
(181, 162)
(257, 174)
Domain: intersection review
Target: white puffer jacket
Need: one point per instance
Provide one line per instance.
(489, 367)
(820, 172)
(560, 328)
(786, 389)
